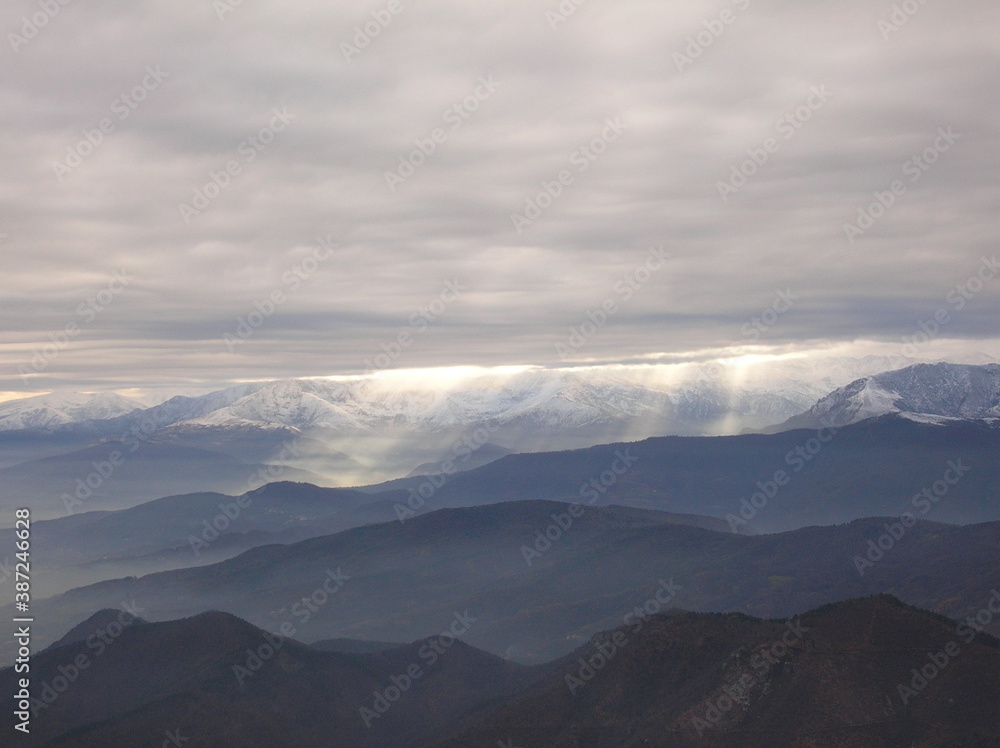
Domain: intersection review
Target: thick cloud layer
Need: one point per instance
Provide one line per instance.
(293, 189)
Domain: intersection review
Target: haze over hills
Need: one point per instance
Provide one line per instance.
(353, 431)
(766, 482)
(189, 530)
(882, 466)
(536, 598)
(115, 475)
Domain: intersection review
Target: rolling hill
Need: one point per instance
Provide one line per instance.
(541, 580)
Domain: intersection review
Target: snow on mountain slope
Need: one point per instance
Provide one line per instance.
(60, 408)
(638, 400)
(287, 403)
(683, 401)
(563, 399)
(923, 391)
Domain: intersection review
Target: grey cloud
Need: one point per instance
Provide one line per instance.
(324, 175)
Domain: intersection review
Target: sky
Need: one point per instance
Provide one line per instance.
(201, 192)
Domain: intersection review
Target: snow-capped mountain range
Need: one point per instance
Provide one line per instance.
(691, 400)
(924, 392)
(623, 401)
(62, 408)
(360, 430)
(683, 400)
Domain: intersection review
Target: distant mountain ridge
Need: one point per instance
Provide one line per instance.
(114, 475)
(572, 398)
(363, 430)
(189, 530)
(538, 589)
(871, 468)
(60, 409)
(928, 392)
(356, 432)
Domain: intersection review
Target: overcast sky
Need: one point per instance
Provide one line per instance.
(636, 112)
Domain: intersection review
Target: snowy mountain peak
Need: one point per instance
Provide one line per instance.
(60, 408)
(929, 392)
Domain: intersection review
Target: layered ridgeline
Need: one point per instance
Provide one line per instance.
(190, 530)
(361, 430)
(761, 482)
(888, 466)
(240, 438)
(540, 577)
(883, 466)
(113, 475)
(870, 672)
